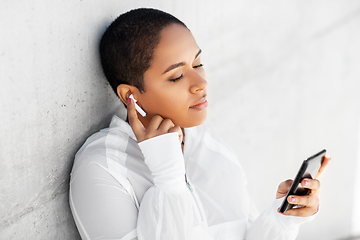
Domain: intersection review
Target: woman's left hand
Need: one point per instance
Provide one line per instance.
(310, 202)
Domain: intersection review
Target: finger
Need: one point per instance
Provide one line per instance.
(154, 124)
(283, 188)
(165, 126)
(134, 121)
(301, 212)
(306, 201)
(324, 162)
(312, 184)
(178, 130)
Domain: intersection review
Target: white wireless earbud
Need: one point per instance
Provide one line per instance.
(142, 112)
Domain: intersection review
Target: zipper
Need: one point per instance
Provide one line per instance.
(199, 209)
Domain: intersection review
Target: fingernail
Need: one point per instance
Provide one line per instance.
(292, 199)
(306, 183)
(129, 100)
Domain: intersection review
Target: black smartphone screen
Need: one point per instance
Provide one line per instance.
(308, 169)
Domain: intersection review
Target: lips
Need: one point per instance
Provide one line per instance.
(203, 103)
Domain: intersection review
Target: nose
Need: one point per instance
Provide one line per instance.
(198, 83)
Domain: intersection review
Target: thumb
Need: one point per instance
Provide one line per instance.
(324, 162)
(283, 188)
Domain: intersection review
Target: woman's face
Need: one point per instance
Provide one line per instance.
(175, 85)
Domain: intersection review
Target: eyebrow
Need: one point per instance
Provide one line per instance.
(176, 65)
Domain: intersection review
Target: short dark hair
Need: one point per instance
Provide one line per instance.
(127, 46)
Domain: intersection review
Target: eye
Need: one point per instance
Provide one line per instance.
(176, 79)
(197, 66)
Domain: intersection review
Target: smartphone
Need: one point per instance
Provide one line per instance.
(308, 169)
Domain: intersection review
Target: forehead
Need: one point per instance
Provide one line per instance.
(176, 44)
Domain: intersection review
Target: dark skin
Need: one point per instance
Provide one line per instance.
(173, 105)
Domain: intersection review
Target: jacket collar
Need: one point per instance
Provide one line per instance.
(117, 122)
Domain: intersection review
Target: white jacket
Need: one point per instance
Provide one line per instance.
(120, 189)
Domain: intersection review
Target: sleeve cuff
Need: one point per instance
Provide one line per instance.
(163, 156)
(288, 222)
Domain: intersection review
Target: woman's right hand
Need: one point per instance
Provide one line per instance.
(157, 126)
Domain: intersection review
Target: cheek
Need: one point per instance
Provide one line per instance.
(172, 104)
(166, 103)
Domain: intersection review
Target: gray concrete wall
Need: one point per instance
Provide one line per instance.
(283, 83)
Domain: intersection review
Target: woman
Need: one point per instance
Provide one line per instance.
(164, 176)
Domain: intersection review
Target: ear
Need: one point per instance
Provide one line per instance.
(124, 91)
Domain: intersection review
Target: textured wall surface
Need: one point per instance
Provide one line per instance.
(283, 83)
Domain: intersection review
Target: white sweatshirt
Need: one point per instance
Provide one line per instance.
(120, 189)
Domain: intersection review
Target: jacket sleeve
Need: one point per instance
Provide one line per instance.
(166, 209)
(101, 207)
(271, 225)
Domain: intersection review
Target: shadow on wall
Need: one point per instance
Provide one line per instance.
(351, 238)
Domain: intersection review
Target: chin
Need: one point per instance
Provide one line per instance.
(193, 122)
